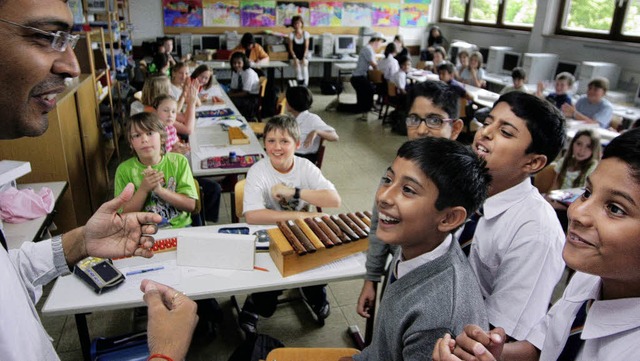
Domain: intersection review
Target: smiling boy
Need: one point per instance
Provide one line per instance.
(425, 195)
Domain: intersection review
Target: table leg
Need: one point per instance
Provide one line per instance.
(83, 335)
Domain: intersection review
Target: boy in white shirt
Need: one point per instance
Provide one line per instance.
(389, 65)
(400, 77)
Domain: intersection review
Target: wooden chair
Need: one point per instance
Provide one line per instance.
(310, 354)
(198, 215)
(543, 180)
(389, 100)
(377, 78)
(263, 89)
(320, 155)
(237, 197)
(421, 64)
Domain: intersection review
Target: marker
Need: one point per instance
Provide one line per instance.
(137, 272)
(260, 269)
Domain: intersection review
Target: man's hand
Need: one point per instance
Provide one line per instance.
(172, 319)
(108, 234)
(367, 299)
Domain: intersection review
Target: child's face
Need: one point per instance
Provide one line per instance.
(603, 237)
(473, 62)
(464, 59)
(423, 107)
(518, 83)
(146, 144)
(582, 148)
(298, 25)
(502, 142)
(437, 58)
(406, 206)
(445, 76)
(280, 148)
(237, 64)
(595, 94)
(204, 77)
(167, 111)
(180, 76)
(562, 86)
(406, 66)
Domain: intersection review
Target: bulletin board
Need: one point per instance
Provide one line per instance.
(319, 16)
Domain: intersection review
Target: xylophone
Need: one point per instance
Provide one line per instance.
(302, 244)
(161, 245)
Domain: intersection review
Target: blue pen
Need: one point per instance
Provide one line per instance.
(137, 272)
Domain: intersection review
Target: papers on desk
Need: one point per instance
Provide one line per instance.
(353, 261)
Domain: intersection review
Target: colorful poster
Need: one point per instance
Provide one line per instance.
(286, 10)
(424, 2)
(414, 15)
(326, 13)
(183, 13)
(385, 14)
(258, 13)
(356, 14)
(221, 12)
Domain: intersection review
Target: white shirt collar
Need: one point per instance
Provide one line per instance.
(502, 201)
(404, 267)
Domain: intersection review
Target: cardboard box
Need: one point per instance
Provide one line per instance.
(276, 53)
(204, 55)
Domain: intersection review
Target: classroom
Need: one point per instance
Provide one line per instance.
(219, 88)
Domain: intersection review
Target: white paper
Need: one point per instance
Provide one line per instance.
(216, 250)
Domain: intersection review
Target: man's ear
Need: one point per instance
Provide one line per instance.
(456, 128)
(536, 163)
(453, 218)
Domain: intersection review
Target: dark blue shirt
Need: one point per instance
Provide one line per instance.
(559, 99)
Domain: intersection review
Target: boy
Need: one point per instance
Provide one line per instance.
(282, 188)
(518, 77)
(592, 107)
(426, 194)
(312, 128)
(564, 82)
(516, 250)
(603, 296)
(400, 77)
(433, 100)
(446, 71)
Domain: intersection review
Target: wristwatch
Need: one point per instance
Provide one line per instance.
(296, 194)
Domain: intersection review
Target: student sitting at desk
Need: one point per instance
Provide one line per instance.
(400, 77)
(164, 183)
(446, 72)
(282, 187)
(474, 74)
(389, 65)
(597, 316)
(564, 82)
(401, 50)
(428, 192)
(593, 107)
(299, 50)
(245, 86)
(254, 52)
(439, 56)
(518, 77)
(179, 76)
(463, 59)
(204, 76)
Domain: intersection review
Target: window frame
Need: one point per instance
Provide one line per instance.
(615, 31)
(499, 24)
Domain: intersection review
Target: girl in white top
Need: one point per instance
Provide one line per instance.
(245, 86)
(474, 74)
(299, 50)
(400, 77)
(389, 65)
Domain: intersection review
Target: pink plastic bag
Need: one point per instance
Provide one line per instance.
(17, 206)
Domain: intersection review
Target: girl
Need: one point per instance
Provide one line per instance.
(474, 74)
(153, 87)
(299, 50)
(389, 65)
(167, 109)
(164, 182)
(204, 76)
(435, 39)
(179, 75)
(463, 60)
(401, 50)
(245, 86)
(439, 56)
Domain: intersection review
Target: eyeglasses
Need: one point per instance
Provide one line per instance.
(60, 40)
(413, 121)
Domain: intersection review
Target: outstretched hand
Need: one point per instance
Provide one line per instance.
(109, 234)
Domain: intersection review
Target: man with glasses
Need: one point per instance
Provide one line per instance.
(37, 55)
(433, 112)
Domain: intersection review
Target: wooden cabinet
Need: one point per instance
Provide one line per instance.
(70, 150)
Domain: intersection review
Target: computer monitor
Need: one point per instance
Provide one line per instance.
(485, 54)
(211, 42)
(259, 40)
(311, 49)
(567, 66)
(511, 60)
(458, 46)
(344, 44)
(636, 101)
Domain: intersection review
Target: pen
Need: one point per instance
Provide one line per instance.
(137, 272)
(260, 269)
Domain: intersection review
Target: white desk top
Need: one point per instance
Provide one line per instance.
(345, 66)
(317, 59)
(211, 140)
(573, 126)
(71, 296)
(220, 65)
(18, 233)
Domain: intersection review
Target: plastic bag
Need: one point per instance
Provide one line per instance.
(20, 205)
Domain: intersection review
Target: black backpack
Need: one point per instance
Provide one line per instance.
(330, 87)
(255, 348)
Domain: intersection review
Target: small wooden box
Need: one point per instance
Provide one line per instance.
(276, 53)
(237, 136)
(290, 263)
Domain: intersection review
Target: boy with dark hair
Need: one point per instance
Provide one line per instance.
(254, 52)
(312, 128)
(446, 71)
(519, 77)
(564, 82)
(593, 107)
(433, 112)
(597, 317)
(425, 195)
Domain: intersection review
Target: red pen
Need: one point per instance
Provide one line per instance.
(260, 269)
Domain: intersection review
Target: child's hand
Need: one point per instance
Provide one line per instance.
(310, 138)
(153, 180)
(568, 110)
(367, 299)
(474, 341)
(282, 193)
(191, 91)
(182, 148)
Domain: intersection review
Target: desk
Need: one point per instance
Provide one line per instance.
(482, 96)
(211, 140)
(328, 62)
(33, 230)
(70, 296)
(573, 126)
(344, 69)
(280, 65)
(420, 76)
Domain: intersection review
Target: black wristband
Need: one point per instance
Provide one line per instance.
(296, 194)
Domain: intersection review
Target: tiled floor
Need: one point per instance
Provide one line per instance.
(354, 164)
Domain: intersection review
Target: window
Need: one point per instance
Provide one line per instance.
(604, 19)
(517, 14)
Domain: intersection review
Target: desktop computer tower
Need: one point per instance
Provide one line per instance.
(496, 58)
(325, 46)
(592, 69)
(539, 66)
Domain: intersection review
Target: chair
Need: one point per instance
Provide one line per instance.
(281, 109)
(320, 154)
(263, 89)
(377, 78)
(237, 197)
(544, 179)
(310, 354)
(198, 215)
(389, 100)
